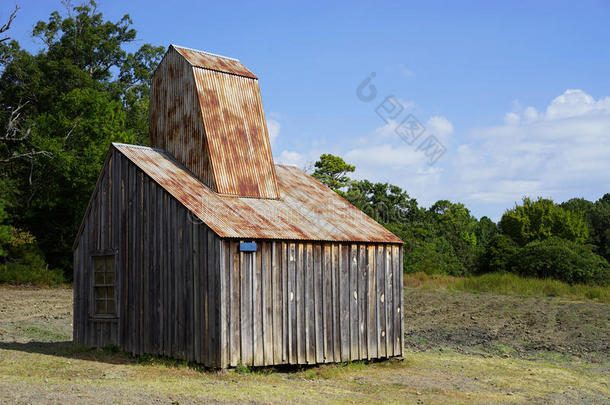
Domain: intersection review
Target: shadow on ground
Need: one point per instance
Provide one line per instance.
(66, 349)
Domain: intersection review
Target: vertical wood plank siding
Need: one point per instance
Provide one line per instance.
(167, 271)
(182, 291)
(328, 302)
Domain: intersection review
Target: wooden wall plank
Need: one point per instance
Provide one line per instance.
(213, 264)
(380, 315)
(257, 309)
(267, 298)
(196, 288)
(371, 303)
(327, 303)
(362, 301)
(401, 295)
(175, 292)
(308, 301)
(225, 301)
(246, 309)
(286, 341)
(292, 311)
(187, 271)
(153, 252)
(336, 304)
(353, 300)
(130, 276)
(137, 270)
(389, 335)
(216, 312)
(145, 251)
(318, 289)
(166, 274)
(203, 291)
(300, 305)
(236, 284)
(277, 293)
(345, 297)
(396, 292)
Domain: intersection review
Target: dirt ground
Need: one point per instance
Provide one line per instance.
(506, 325)
(460, 348)
(28, 314)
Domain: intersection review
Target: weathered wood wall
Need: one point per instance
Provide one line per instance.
(167, 284)
(306, 303)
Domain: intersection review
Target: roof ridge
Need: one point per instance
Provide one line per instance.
(129, 145)
(205, 52)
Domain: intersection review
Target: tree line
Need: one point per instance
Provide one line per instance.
(62, 107)
(568, 241)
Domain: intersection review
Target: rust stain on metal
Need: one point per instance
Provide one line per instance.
(211, 61)
(306, 209)
(206, 110)
(236, 132)
(175, 119)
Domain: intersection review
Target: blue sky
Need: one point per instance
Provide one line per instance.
(517, 92)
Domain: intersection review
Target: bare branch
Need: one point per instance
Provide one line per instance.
(13, 132)
(308, 167)
(28, 155)
(7, 26)
(72, 129)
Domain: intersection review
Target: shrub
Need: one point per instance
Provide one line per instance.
(500, 254)
(19, 273)
(28, 267)
(432, 257)
(562, 260)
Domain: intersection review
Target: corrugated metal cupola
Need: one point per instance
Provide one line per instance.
(206, 110)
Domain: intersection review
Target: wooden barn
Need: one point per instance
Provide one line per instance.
(201, 248)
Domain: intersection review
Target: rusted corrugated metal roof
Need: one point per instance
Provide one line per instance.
(212, 61)
(228, 106)
(236, 132)
(306, 209)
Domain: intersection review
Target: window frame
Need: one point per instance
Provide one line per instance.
(106, 254)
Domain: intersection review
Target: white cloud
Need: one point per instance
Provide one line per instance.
(405, 71)
(291, 158)
(574, 103)
(561, 153)
(512, 118)
(440, 126)
(274, 129)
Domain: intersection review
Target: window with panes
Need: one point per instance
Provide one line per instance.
(103, 285)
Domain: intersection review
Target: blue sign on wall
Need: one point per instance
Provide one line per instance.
(247, 247)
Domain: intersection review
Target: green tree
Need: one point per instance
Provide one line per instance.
(457, 226)
(66, 104)
(542, 219)
(332, 171)
(384, 202)
(597, 215)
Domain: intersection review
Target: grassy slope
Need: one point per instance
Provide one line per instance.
(509, 284)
